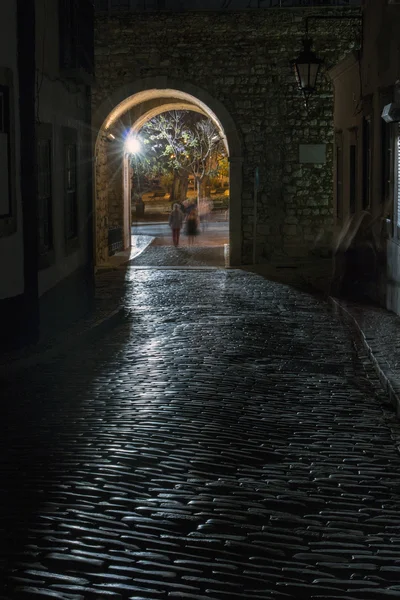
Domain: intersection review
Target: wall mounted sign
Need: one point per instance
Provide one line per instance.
(312, 153)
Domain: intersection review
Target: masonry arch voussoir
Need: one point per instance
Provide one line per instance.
(120, 100)
(158, 110)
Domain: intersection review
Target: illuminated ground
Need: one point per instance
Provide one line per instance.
(224, 441)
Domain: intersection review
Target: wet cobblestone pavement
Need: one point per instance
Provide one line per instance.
(227, 441)
(183, 256)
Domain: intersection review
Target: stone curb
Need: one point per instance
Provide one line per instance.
(116, 317)
(387, 380)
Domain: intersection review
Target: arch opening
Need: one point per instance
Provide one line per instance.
(113, 173)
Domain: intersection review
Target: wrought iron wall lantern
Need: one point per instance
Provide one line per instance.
(307, 65)
(306, 68)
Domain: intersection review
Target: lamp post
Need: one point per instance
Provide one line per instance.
(133, 147)
(306, 67)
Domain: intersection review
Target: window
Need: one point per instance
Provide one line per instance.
(44, 189)
(339, 177)
(366, 195)
(5, 154)
(70, 184)
(67, 20)
(386, 160)
(8, 212)
(397, 178)
(352, 178)
(71, 192)
(76, 18)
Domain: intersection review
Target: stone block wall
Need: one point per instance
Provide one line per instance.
(243, 59)
(109, 195)
(102, 180)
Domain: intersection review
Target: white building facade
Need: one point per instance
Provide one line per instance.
(46, 66)
(367, 155)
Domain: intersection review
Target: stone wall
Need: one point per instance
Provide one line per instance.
(103, 177)
(242, 59)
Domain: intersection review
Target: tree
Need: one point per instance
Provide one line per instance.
(185, 143)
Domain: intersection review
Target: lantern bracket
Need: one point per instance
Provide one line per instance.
(307, 64)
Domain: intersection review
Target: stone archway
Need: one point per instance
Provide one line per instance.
(127, 109)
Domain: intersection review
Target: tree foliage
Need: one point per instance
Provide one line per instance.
(183, 142)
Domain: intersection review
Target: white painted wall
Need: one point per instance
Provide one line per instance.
(62, 104)
(380, 68)
(380, 64)
(11, 247)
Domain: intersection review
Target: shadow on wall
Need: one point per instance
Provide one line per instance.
(360, 257)
(393, 276)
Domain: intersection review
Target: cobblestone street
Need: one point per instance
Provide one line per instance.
(184, 256)
(226, 440)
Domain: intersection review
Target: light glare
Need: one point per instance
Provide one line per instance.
(132, 145)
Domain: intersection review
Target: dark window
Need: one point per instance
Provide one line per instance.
(86, 35)
(76, 25)
(5, 153)
(339, 182)
(70, 185)
(68, 41)
(45, 195)
(386, 159)
(353, 179)
(397, 166)
(366, 196)
(4, 110)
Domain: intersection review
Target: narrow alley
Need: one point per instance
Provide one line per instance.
(227, 439)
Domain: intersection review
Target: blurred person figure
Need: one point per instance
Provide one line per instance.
(188, 206)
(192, 226)
(359, 255)
(175, 222)
(204, 214)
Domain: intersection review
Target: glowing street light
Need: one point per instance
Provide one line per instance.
(132, 145)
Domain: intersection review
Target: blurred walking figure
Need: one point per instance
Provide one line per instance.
(192, 226)
(175, 222)
(204, 214)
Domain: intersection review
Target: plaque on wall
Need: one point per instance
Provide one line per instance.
(312, 153)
